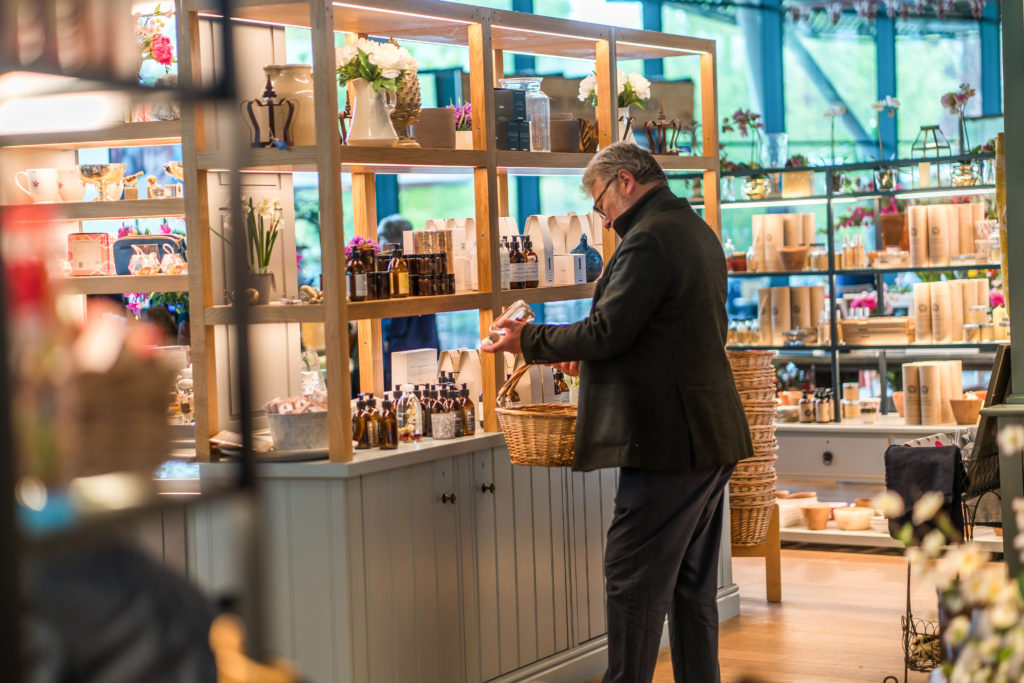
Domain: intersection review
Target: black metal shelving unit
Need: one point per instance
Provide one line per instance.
(833, 352)
(19, 543)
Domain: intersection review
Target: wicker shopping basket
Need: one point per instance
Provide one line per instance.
(542, 434)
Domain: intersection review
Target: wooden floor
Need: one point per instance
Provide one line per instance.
(839, 620)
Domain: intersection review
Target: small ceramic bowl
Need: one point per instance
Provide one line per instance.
(853, 519)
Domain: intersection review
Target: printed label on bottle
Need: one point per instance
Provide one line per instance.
(506, 274)
(532, 271)
(403, 283)
(360, 285)
(517, 272)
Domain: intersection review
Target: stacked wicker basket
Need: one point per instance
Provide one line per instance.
(752, 486)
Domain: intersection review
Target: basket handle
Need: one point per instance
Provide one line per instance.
(512, 381)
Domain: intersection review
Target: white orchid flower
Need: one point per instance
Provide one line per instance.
(588, 86)
(889, 503)
(927, 506)
(933, 543)
(1011, 439)
(892, 102)
(958, 630)
(879, 105)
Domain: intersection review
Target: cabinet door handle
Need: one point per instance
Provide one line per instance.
(827, 457)
(487, 488)
(448, 498)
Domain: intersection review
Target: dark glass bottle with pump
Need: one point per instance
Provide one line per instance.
(389, 428)
(359, 426)
(517, 266)
(374, 424)
(468, 411)
(531, 265)
(428, 410)
(357, 283)
(399, 270)
(452, 405)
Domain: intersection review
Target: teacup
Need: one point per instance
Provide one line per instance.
(71, 185)
(41, 184)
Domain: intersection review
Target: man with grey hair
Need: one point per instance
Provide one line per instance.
(657, 400)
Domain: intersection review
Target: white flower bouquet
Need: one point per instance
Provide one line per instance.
(633, 89)
(384, 65)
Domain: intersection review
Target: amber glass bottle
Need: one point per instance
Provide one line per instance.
(359, 426)
(427, 405)
(468, 411)
(356, 280)
(517, 266)
(389, 427)
(399, 270)
(374, 424)
(531, 265)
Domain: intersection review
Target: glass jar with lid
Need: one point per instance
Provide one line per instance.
(538, 110)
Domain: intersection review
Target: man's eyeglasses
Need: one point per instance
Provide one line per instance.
(598, 200)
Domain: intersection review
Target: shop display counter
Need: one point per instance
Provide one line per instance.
(469, 567)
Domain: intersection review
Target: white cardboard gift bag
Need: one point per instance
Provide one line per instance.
(507, 227)
(418, 366)
(448, 361)
(557, 227)
(537, 230)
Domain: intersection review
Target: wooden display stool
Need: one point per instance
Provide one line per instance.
(770, 549)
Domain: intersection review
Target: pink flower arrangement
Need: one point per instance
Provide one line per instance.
(868, 300)
(463, 116)
(359, 242)
(149, 30)
(162, 50)
(954, 102)
(858, 216)
(892, 207)
(996, 298)
(743, 119)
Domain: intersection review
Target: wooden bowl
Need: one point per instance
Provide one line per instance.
(853, 519)
(815, 515)
(794, 258)
(966, 410)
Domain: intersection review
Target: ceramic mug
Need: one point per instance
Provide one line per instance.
(40, 184)
(70, 185)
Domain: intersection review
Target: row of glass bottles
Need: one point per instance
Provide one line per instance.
(520, 266)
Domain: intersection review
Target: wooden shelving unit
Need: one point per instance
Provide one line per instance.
(122, 284)
(485, 34)
(142, 134)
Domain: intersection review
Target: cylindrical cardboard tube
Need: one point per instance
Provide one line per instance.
(807, 219)
(930, 390)
(923, 312)
(938, 235)
(781, 314)
(912, 393)
(917, 224)
(774, 237)
(942, 314)
(800, 307)
(793, 228)
(956, 309)
(953, 222)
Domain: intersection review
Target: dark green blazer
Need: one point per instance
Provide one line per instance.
(656, 389)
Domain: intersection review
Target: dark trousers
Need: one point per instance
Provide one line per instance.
(662, 558)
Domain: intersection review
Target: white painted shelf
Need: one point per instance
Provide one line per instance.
(833, 535)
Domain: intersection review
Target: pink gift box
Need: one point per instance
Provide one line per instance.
(89, 253)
